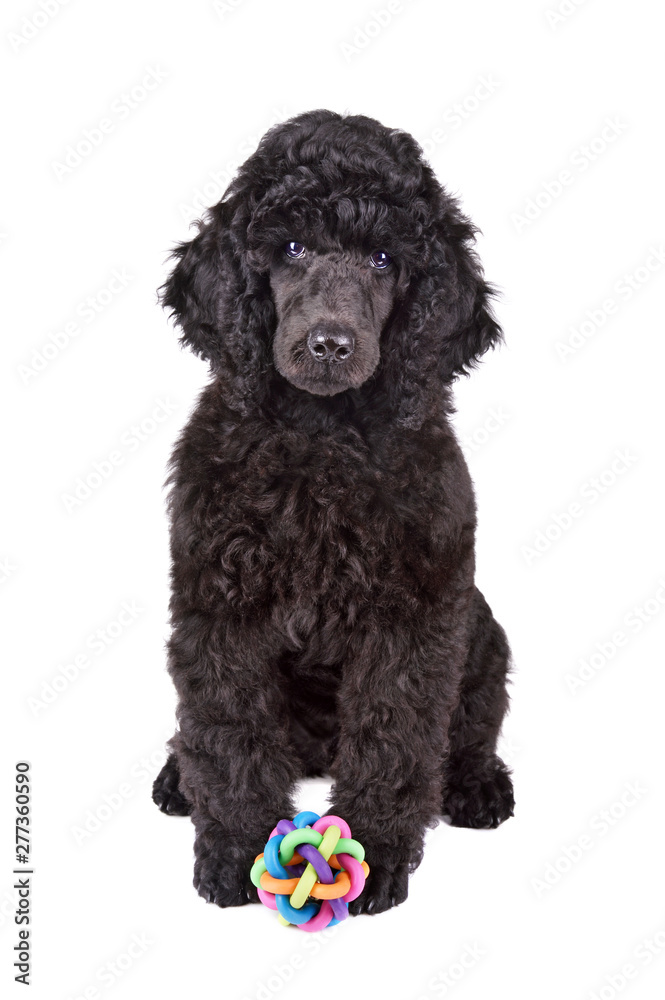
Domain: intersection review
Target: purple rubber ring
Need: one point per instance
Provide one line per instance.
(284, 826)
(339, 908)
(317, 861)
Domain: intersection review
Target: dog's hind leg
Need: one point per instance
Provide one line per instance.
(166, 791)
(478, 791)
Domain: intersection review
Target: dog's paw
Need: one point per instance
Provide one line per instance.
(225, 883)
(222, 867)
(165, 792)
(384, 889)
(479, 794)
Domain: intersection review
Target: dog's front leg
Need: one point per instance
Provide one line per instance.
(237, 768)
(399, 689)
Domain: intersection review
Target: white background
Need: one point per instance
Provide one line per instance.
(557, 900)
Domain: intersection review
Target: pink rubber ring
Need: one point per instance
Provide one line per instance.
(322, 825)
(322, 918)
(268, 898)
(356, 873)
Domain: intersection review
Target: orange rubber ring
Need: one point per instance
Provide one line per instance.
(280, 886)
(320, 890)
(332, 890)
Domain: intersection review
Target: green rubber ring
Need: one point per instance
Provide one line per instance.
(352, 847)
(291, 840)
(258, 869)
(329, 842)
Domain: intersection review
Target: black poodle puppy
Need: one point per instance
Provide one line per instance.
(325, 618)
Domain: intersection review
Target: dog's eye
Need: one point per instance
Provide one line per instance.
(379, 259)
(294, 249)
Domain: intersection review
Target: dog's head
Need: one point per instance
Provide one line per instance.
(335, 261)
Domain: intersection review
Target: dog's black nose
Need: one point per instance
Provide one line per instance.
(331, 342)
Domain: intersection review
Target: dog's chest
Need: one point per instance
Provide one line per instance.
(328, 527)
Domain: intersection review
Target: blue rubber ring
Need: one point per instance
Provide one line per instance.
(271, 858)
(294, 916)
(304, 819)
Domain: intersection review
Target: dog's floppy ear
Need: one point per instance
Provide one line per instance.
(202, 285)
(222, 304)
(445, 323)
(468, 326)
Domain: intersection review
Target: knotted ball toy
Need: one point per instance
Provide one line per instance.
(295, 876)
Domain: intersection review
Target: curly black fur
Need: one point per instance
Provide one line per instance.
(324, 612)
